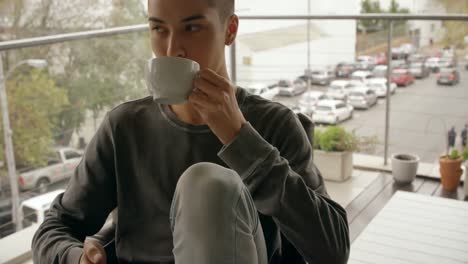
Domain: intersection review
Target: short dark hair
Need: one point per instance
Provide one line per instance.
(225, 8)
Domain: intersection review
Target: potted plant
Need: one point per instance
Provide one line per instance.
(404, 168)
(450, 169)
(333, 151)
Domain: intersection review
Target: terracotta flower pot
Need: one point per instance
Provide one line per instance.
(450, 172)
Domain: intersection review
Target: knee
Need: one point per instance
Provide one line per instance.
(209, 179)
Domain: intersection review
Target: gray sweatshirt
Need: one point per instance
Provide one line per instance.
(140, 151)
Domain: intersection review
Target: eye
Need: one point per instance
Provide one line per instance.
(192, 28)
(158, 29)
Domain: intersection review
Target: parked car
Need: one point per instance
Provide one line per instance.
(332, 112)
(355, 83)
(288, 88)
(362, 97)
(60, 166)
(416, 58)
(379, 86)
(345, 69)
(381, 59)
(398, 64)
(366, 63)
(407, 49)
(262, 90)
(433, 64)
(418, 70)
(448, 76)
(380, 71)
(309, 101)
(447, 62)
(397, 53)
(322, 77)
(339, 89)
(361, 76)
(402, 77)
(33, 210)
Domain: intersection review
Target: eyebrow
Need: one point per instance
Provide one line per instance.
(185, 20)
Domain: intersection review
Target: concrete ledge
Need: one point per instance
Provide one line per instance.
(369, 162)
(16, 248)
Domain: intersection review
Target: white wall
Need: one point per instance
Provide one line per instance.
(291, 61)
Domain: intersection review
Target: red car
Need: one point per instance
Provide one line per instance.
(381, 59)
(402, 77)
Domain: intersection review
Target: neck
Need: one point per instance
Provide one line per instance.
(186, 112)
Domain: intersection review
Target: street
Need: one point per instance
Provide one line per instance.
(420, 116)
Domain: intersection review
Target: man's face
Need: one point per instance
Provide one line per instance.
(189, 29)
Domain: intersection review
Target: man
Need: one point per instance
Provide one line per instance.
(452, 135)
(227, 177)
(464, 135)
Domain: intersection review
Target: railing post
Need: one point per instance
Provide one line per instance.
(233, 63)
(389, 83)
(9, 150)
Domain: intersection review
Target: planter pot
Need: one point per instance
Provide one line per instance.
(465, 183)
(334, 166)
(404, 168)
(450, 173)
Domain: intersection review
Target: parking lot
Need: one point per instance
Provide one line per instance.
(420, 116)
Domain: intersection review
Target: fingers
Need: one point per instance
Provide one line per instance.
(93, 253)
(208, 89)
(214, 78)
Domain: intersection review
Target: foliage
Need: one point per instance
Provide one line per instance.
(456, 155)
(369, 6)
(94, 74)
(455, 31)
(33, 100)
(465, 154)
(336, 138)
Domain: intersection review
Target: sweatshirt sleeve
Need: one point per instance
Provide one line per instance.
(82, 209)
(280, 180)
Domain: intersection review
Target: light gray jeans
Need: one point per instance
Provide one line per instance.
(214, 219)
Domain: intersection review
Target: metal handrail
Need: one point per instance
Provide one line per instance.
(53, 39)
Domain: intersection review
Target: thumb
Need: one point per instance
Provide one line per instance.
(94, 254)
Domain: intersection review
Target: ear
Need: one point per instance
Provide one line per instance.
(232, 26)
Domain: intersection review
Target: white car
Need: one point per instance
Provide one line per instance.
(367, 62)
(433, 63)
(61, 165)
(322, 77)
(362, 97)
(262, 90)
(339, 89)
(380, 71)
(361, 76)
(288, 88)
(332, 112)
(34, 209)
(379, 86)
(309, 101)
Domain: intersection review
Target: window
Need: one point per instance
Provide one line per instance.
(53, 159)
(29, 216)
(69, 154)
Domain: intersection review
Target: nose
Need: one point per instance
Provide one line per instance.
(175, 47)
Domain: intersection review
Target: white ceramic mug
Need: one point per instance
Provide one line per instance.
(170, 79)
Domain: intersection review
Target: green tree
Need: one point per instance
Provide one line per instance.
(370, 7)
(455, 31)
(33, 100)
(95, 74)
